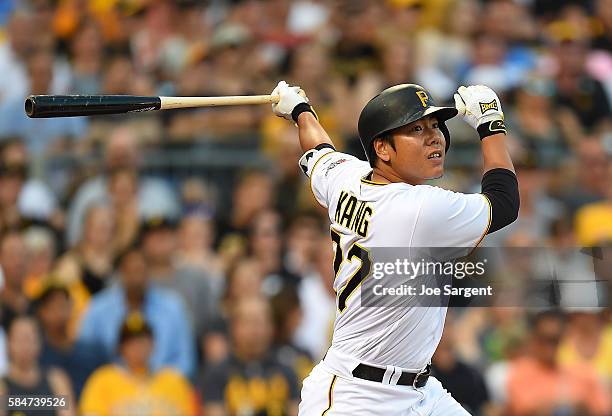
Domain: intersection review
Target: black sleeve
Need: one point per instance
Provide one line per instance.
(500, 186)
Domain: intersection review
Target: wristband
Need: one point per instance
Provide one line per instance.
(300, 108)
(490, 128)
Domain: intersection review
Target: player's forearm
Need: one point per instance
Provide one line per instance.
(495, 153)
(310, 132)
(499, 183)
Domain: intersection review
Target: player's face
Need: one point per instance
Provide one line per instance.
(419, 151)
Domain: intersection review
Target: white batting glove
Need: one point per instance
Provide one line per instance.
(481, 109)
(290, 98)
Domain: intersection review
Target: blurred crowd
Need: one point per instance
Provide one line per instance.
(133, 289)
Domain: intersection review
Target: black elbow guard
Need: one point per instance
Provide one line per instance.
(500, 186)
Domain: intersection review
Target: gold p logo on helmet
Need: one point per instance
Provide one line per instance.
(423, 97)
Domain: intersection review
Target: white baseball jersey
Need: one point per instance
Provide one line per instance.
(366, 215)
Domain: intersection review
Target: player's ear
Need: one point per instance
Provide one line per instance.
(382, 148)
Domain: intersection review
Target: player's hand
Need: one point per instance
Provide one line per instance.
(290, 97)
(481, 109)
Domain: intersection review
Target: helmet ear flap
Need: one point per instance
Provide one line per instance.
(446, 134)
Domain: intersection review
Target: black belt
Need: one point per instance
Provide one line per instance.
(368, 372)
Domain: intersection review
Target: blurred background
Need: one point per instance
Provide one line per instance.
(177, 264)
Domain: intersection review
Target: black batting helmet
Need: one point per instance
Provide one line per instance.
(395, 107)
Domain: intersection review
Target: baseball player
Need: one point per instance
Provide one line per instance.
(379, 360)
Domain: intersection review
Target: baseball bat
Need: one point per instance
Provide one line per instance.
(46, 106)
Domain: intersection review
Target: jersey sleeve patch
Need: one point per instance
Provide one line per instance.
(327, 169)
(309, 160)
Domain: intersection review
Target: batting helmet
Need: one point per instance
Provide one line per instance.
(395, 107)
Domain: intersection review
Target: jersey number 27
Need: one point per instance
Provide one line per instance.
(358, 276)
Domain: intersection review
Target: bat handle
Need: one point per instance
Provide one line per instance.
(186, 102)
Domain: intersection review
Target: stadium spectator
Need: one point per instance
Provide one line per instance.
(538, 208)
(496, 374)
(244, 280)
(250, 380)
(303, 236)
(42, 136)
(122, 153)
(25, 199)
(488, 65)
(603, 39)
(41, 246)
(25, 376)
(286, 318)
(13, 176)
(535, 124)
(266, 247)
(280, 146)
(485, 336)
(317, 298)
(13, 259)
(14, 54)
(132, 386)
(252, 194)
(554, 388)
(576, 284)
(86, 49)
(576, 90)
(195, 249)
(59, 349)
(164, 311)
(158, 241)
(591, 175)
(311, 63)
(587, 341)
(463, 381)
(122, 190)
(594, 221)
(87, 268)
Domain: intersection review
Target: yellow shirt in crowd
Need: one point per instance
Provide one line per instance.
(112, 391)
(594, 224)
(601, 361)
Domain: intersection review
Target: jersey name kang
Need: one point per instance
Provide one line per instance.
(353, 213)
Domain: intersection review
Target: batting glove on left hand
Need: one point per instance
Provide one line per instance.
(291, 100)
(481, 109)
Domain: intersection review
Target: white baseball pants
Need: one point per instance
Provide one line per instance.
(325, 393)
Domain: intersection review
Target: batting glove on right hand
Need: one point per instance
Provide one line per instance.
(481, 109)
(292, 101)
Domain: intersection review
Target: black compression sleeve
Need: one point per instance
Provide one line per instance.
(501, 188)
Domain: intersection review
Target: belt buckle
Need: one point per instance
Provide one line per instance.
(424, 372)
